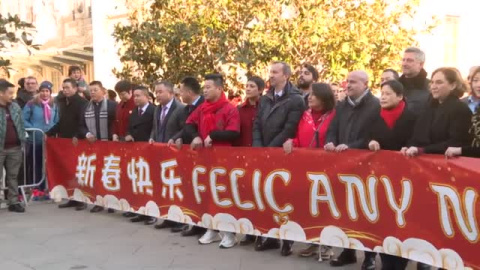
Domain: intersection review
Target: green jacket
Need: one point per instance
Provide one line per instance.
(16, 114)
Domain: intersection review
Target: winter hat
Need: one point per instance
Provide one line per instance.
(46, 84)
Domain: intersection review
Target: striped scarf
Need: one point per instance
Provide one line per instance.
(91, 122)
(475, 129)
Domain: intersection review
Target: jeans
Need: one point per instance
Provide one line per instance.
(11, 159)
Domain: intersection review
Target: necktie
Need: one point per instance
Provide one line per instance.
(164, 113)
(140, 112)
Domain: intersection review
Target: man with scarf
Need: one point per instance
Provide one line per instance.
(71, 107)
(414, 80)
(215, 123)
(97, 120)
(350, 130)
(279, 113)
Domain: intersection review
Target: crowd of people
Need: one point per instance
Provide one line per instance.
(413, 115)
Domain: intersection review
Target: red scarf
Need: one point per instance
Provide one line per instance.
(391, 116)
(208, 122)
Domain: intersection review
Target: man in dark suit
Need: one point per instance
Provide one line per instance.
(190, 94)
(169, 116)
(139, 130)
(169, 119)
(97, 120)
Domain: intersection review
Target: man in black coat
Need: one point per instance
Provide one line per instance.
(27, 92)
(97, 120)
(190, 93)
(277, 118)
(414, 80)
(139, 130)
(71, 107)
(350, 130)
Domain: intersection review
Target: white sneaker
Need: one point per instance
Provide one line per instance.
(326, 253)
(209, 237)
(229, 240)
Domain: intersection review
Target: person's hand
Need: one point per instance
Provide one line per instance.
(208, 142)
(151, 141)
(374, 145)
(412, 151)
(170, 142)
(341, 148)
(74, 141)
(179, 143)
(288, 146)
(90, 137)
(453, 152)
(115, 138)
(196, 143)
(129, 138)
(329, 147)
(404, 151)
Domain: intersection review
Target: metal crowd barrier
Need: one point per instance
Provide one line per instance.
(30, 163)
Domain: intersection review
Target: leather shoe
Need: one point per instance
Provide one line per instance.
(195, 230)
(286, 248)
(68, 204)
(129, 214)
(369, 261)
(164, 224)
(177, 228)
(346, 257)
(96, 209)
(81, 206)
(150, 220)
(17, 208)
(110, 211)
(249, 239)
(267, 244)
(139, 218)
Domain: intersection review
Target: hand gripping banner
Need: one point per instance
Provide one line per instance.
(425, 209)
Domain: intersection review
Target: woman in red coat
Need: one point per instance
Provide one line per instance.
(311, 133)
(312, 128)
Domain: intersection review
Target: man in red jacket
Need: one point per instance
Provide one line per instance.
(215, 123)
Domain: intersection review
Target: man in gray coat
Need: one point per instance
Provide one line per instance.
(277, 118)
(169, 118)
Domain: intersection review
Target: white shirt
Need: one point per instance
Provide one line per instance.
(196, 101)
(144, 108)
(169, 104)
(279, 94)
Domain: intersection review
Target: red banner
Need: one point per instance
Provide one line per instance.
(424, 209)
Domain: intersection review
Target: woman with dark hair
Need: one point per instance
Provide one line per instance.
(248, 110)
(472, 150)
(313, 126)
(394, 127)
(311, 133)
(446, 120)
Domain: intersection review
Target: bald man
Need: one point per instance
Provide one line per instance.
(349, 130)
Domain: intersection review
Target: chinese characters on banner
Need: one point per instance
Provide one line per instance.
(425, 209)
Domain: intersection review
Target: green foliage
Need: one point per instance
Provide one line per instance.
(13, 33)
(176, 38)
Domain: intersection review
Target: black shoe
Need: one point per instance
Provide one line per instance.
(286, 248)
(249, 239)
(139, 218)
(17, 208)
(369, 261)
(422, 266)
(81, 206)
(150, 220)
(96, 209)
(68, 204)
(268, 243)
(110, 211)
(164, 224)
(195, 230)
(390, 262)
(346, 257)
(129, 215)
(177, 228)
